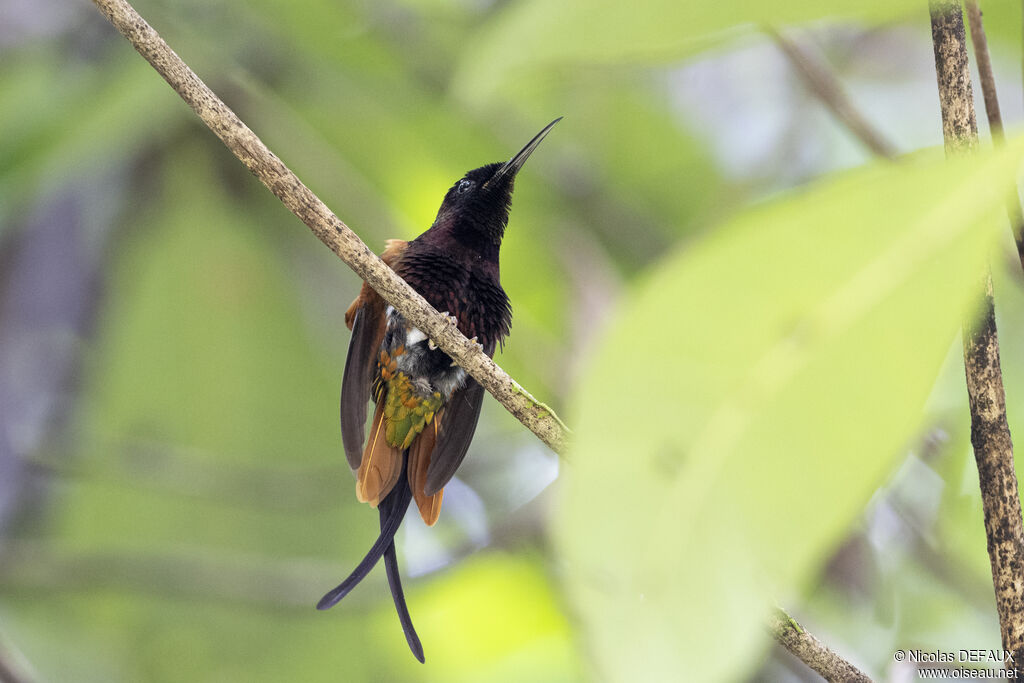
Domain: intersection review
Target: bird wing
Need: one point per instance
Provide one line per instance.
(457, 424)
(367, 332)
(365, 317)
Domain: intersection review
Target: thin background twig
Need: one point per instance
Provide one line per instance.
(995, 119)
(822, 82)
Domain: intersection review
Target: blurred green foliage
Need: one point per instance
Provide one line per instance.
(743, 370)
(536, 35)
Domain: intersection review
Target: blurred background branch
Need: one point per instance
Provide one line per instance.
(995, 119)
(822, 82)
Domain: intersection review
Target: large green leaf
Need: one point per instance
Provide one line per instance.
(750, 398)
(534, 34)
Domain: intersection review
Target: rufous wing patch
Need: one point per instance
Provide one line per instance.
(393, 250)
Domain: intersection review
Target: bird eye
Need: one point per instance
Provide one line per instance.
(463, 186)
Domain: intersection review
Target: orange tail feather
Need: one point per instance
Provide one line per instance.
(381, 465)
(419, 460)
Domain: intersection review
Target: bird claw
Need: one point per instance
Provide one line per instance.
(452, 319)
(475, 343)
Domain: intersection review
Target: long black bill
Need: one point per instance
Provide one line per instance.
(398, 502)
(512, 166)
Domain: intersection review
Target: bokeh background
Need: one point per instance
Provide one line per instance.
(173, 494)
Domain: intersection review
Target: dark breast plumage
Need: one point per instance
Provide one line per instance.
(470, 291)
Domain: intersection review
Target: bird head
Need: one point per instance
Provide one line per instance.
(475, 209)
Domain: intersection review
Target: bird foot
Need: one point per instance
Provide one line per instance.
(475, 343)
(454, 321)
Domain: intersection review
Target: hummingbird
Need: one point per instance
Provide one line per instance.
(426, 406)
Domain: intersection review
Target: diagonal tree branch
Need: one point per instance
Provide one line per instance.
(286, 186)
(990, 433)
(272, 172)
